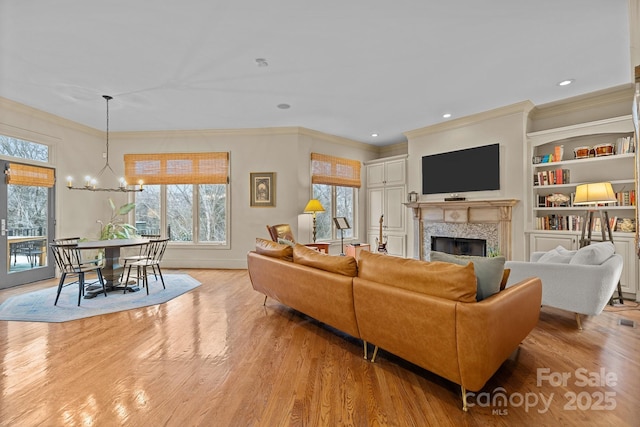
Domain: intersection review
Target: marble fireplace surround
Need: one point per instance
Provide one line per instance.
(481, 219)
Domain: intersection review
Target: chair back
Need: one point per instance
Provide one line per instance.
(281, 231)
(155, 249)
(67, 241)
(67, 257)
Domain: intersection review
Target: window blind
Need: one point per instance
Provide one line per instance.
(332, 170)
(19, 174)
(177, 168)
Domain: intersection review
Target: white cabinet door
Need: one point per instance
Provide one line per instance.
(375, 175)
(376, 208)
(396, 243)
(546, 242)
(395, 211)
(395, 172)
(625, 247)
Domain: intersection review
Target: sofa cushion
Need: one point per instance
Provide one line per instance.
(488, 271)
(274, 249)
(594, 254)
(344, 265)
(440, 279)
(559, 255)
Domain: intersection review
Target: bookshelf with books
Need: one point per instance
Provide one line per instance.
(563, 158)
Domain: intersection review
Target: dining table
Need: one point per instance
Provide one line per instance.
(112, 270)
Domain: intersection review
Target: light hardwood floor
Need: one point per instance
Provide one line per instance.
(217, 357)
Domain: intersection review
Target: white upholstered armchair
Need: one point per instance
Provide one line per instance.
(580, 281)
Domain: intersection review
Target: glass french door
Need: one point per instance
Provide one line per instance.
(26, 226)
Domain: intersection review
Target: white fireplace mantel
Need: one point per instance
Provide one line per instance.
(493, 211)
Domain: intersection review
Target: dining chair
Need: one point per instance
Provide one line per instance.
(142, 249)
(69, 260)
(154, 251)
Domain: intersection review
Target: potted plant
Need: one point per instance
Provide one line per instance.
(117, 228)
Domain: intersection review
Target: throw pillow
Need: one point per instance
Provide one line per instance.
(489, 271)
(594, 254)
(555, 256)
(274, 249)
(439, 279)
(286, 242)
(344, 265)
(564, 251)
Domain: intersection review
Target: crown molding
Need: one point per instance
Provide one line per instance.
(523, 107)
(617, 94)
(275, 131)
(16, 107)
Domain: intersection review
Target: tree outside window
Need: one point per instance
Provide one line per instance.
(337, 201)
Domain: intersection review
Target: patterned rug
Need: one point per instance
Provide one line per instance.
(38, 306)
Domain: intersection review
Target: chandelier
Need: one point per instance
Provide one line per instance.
(90, 183)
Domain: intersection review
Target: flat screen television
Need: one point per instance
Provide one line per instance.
(471, 169)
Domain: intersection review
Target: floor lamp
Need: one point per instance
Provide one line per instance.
(313, 207)
(592, 195)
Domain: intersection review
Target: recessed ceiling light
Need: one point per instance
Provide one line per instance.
(446, 115)
(284, 106)
(566, 82)
(374, 135)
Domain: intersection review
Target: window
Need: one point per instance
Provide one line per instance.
(335, 183)
(172, 183)
(23, 149)
(337, 201)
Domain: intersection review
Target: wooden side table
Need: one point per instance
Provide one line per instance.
(354, 250)
(321, 247)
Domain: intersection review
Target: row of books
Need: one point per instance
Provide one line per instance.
(625, 145)
(551, 177)
(575, 223)
(624, 198)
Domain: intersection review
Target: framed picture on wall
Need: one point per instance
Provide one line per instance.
(263, 189)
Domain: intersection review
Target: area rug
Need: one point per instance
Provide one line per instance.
(38, 306)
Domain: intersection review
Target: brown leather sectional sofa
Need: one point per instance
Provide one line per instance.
(424, 312)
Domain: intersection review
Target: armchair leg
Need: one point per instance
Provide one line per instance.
(265, 300)
(465, 408)
(375, 353)
(364, 343)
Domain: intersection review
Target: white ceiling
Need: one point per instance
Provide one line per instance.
(347, 68)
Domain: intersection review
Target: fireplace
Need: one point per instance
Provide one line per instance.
(459, 245)
(488, 220)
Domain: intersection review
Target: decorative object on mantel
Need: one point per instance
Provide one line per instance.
(90, 183)
(454, 197)
(413, 197)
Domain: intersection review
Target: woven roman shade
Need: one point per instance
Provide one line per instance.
(331, 170)
(177, 168)
(19, 174)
